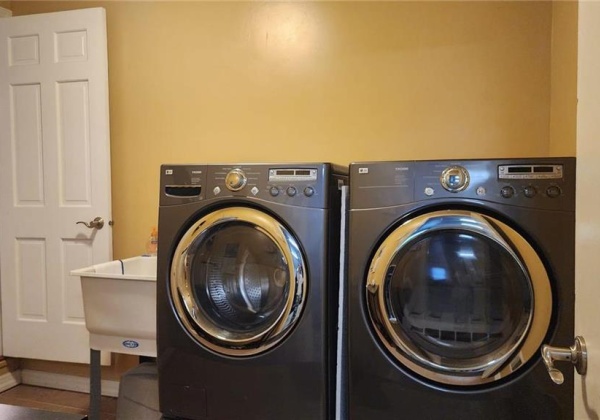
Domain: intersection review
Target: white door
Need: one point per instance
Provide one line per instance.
(587, 316)
(4, 13)
(54, 172)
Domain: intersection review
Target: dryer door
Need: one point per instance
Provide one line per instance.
(458, 297)
(238, 281)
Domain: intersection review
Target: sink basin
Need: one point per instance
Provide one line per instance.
(119, 303)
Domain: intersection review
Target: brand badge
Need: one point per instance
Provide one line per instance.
(131, 344)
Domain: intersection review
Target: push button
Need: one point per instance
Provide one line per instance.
(291, 191)
(309, 191)
(274, 191)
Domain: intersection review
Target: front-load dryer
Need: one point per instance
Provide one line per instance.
(247, 290)
(459, 272)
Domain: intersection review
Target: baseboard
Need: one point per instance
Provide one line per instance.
(66, 382)
(10, 380)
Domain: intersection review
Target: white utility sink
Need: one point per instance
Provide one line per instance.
(119, 302)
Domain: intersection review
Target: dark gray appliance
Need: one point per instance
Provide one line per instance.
(459, 271)
(247, 290)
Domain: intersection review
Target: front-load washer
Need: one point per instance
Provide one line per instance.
(247, 290)
(459, 272)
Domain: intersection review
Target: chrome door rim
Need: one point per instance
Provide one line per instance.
(510, 356)
(197, 324)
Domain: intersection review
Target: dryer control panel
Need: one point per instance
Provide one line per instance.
(545, 183)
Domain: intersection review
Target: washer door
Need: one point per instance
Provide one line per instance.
(238, 281)
(458, 297)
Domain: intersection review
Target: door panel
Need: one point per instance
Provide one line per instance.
(238, 281)
(587, 286)
(54, 172)
(458, 297)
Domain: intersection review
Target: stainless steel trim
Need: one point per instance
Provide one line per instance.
(197, 324)
(526, 339)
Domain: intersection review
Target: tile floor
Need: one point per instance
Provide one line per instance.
(57, 400)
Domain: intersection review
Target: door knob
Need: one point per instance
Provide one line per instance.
(97, 223)
(576, 354)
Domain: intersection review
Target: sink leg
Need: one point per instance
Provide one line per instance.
(95, 385)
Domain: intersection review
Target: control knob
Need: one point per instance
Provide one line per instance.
(553, 191)
(530, 191)
(309, 191)
(455, 178)
(507, 191)
(235, 180)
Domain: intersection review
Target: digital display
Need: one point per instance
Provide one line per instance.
(530, 171)
(291, 174)
(519, 169)
(285, 172)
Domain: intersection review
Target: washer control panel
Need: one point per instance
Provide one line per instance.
(305, 185)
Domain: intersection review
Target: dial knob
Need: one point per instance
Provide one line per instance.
(309, 191)
(553, 191)
(530, 191)
(455, 178)
(235, 180)
(507, 191)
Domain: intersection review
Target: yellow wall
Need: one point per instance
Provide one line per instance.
(315, 81)
(563, 103)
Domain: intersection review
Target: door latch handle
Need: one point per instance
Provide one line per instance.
(97, 223)
(576, 354)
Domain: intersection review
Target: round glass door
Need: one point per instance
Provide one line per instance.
(238, 281)
(458, 297)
